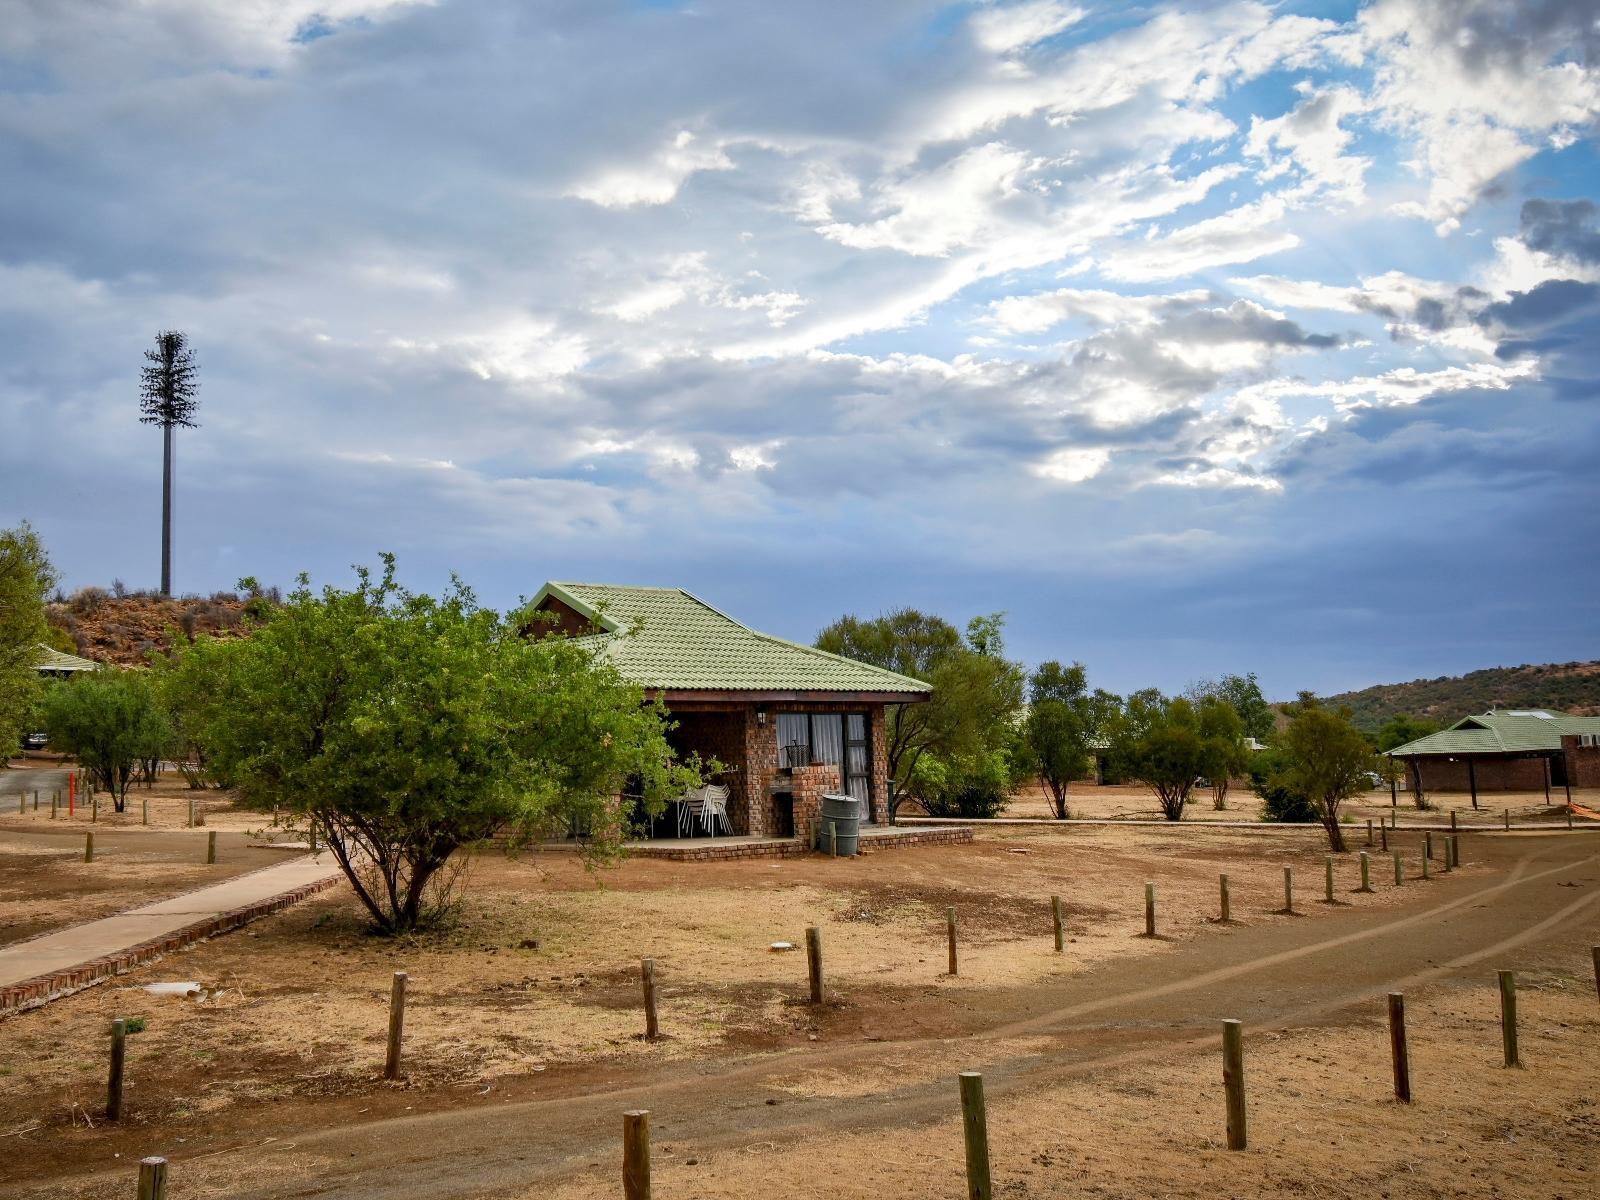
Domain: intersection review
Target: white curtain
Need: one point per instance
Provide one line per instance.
(827, 738)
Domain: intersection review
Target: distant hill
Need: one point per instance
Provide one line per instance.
(1572, 687)
(124, 629)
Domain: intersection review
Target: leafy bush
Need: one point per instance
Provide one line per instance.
(1279, 801)
(973, 788)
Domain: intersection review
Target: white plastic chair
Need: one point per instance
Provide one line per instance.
(691, 810)
(714, 808)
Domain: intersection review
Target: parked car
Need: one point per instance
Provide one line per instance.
(35, 741)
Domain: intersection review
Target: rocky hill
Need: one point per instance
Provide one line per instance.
(125, 629)
(1572, 687)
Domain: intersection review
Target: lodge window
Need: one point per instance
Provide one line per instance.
(841, 740)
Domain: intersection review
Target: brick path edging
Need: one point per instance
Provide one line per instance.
(791, 849)
(41, 989)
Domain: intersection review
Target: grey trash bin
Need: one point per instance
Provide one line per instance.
(840, 814)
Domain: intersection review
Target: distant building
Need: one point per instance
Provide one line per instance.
(60, 665)
(1519, 749)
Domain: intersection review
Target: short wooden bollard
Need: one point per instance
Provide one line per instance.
(397, 1025)
(1452, 820)
(119, 1048)
(1455, 852)
(1569, 818)
(1397, 1047)
(975, 1130)
(54, 797)
(833, 839)
(1369, 831)
(88, 847)
(94, 806)
(814, 962)
(950, 936)
(1427, 845)
(1383, 837)
(1444, 853)
(36, 800)
(1399, 869)
(1595, 950)
(1288, 889)
(1327, 879)
(1223, 883)
(636, 1155)
(152, 1178)
(1508, 820)
(1425, 866)
(647, 976)
(1149, 910)
(191, 814)
(1508, 1017)
(1366, 873)
(211, 848)
(1233, 1081)
(1055, 915)
(144, 812)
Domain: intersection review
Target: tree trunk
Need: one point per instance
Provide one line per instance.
(166, 510)
(1330, 822)
(1219, 795)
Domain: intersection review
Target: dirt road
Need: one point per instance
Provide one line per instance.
(1539, 903)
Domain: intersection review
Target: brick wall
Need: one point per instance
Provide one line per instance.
(1494, 775)
(1583, 762)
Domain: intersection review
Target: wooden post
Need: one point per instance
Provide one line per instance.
(1394, 798)
(211, 848)
(1233, 1081)
(1366, 873)
(636, 1155)
(1399, 870)
(144, 811)
(94, 805)
(1425, 874)
(1055, 913)
(1327, 870)
(814, 962)
(191, 814)
(1508, 1017)
(647, 974)
(1397, 1047)
(1149, 909)
(1508, 820)
(119, 1046)
(54, 797)
(1569, 818)
(1452, 820)
(88, 846)
(1383, 836)
(1369, 831)
(833, 838)
(35, 799)
(152, 1178)
(1288, 889)
(1455, 852)
(950, 934)
(1223, 880)
(1427, 845)
(1444, 853)
(1472, 779)
(975, 1130)
(1595, 950)
(397, 1024)
(1546, 761)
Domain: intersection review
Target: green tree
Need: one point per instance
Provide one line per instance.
(1063, 728)
(26, 578)
(1402, 728)
(404, 727)
(192, 687)
(1226, 754)
(975, 788)
(1325, 759)
(977, 692)
(1279, 801)
(1243, 694)
(1157, 741)
(112, 721)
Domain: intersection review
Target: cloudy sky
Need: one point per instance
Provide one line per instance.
(1196, 337)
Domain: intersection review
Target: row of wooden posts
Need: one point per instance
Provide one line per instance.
(814, 962)
(197, 813)
(211, 847)
(974, 1115)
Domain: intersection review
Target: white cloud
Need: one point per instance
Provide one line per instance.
(1072, 464)
(657, 179)
(1003, 29)
(1312, 139)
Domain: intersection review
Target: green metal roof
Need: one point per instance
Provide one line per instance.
(1505, 731)
(667, 638)
(54, 661)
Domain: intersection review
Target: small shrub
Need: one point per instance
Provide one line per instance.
(86, 601)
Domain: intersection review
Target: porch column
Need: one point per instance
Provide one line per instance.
(1547, 779)
(1472, 780)
(1394, 783)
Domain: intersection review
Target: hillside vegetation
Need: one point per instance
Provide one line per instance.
(1572, 687)
(126, 628)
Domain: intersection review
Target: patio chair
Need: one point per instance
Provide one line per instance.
(714, 808)
(691, 811)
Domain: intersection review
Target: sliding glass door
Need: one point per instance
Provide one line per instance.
(843, 741)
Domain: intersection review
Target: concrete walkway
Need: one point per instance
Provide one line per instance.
(110, 936)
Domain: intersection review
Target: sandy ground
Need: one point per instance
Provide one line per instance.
(1123, 801)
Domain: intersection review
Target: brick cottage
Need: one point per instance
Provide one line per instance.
(1506, 750)
(786, 722)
